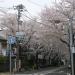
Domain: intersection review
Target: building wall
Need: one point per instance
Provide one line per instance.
(0, 48)
(4, 47)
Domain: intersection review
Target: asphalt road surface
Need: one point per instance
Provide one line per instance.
(47, 74)
(53, 73)
(58, 73)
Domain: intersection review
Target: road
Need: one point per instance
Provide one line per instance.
(57, 74)
(54, 73)
(57, 71)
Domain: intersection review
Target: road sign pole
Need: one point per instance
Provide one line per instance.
(10, 57)
(73, 60)
(11, 40)
(74, 63)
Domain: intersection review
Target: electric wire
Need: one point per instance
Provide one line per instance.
(33, 20)
(34, 3)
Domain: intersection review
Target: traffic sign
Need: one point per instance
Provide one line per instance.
(11, 39)
(19, 34)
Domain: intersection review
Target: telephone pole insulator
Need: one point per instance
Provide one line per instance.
(19, 8)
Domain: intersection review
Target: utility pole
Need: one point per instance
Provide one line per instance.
(19, 9)
(71, 42)
(72, 48)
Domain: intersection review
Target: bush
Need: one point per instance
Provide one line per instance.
(3, 59)
(4, 64)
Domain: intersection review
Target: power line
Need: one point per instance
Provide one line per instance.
(33, 20)
(47, 20)
(35, 3)
(4, 10)
(28, 13)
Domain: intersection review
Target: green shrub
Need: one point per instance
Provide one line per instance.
(2, 59)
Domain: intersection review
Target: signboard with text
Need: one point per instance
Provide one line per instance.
(20, 36)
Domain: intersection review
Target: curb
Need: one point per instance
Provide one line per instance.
(4, 74)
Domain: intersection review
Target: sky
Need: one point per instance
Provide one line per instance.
(33, 6)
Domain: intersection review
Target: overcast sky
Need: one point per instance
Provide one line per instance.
(33, 6)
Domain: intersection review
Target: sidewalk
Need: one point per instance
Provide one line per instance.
(5, 73)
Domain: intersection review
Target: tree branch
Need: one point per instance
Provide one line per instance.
(65, 42)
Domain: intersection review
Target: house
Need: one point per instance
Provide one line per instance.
(3, 45)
